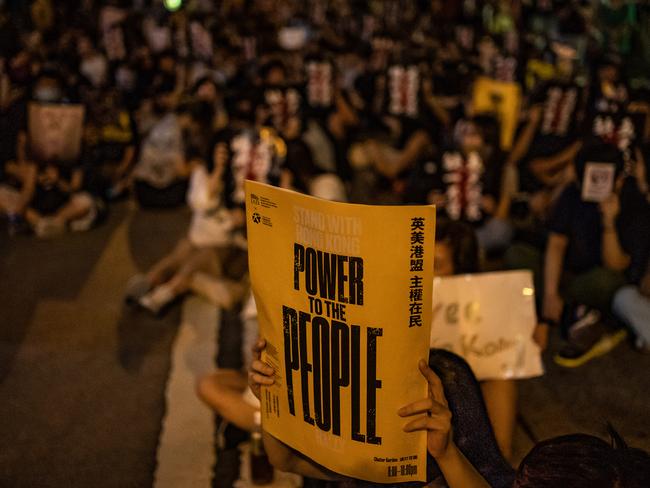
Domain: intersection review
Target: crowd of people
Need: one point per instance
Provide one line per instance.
(526, 122)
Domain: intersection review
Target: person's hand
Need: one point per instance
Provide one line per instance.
(540, 335)
(609, 209)
(260, 373)
(553, 305)
(433, 414)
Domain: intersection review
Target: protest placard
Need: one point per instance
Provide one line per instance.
(55, 131)
(598, 181)
(502, 99)
(488, 319)
(343, 294)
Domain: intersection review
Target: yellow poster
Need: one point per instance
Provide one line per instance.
(502, 99)
(343, 294)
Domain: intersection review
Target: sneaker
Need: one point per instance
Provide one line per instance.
(49, 227)
(156, 300)
(136, 288)
(591, 342)
(17, 225)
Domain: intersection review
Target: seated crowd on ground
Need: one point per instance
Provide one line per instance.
(509, 115)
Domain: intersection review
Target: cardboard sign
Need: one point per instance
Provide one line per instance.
(489, 320)
(55, 131)
(598, 181)
(343, 294)
(502, 99)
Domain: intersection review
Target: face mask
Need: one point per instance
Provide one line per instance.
(47, 94)
(125, 79)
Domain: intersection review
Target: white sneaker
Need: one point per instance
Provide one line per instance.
(157, 299)
(48, 228)
(136, 288)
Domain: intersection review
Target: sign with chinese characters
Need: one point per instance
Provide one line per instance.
(343, 294)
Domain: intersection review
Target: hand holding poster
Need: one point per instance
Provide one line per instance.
(55, 131)
(488, 319)
(343, 294)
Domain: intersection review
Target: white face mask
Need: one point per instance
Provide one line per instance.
(47, 94)
(125, 79)
(95, 70)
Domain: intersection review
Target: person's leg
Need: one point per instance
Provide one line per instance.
(595, 288)
(501, 402)
(495, 235)
(223, 391)
(170, 263)
(634, 309)
(9, 200)
(77, 207)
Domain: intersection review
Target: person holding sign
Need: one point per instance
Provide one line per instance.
(431, 415)
(591, 236)
(457, 253)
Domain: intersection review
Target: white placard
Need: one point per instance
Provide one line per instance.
(598, 181)
(488, 319)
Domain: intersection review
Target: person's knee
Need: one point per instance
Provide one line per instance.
(82, 201)
(623, 297)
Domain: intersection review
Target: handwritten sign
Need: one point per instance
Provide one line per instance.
(488, 319)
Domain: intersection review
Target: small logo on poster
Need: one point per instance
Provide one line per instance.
(257, 218)
(255, 200)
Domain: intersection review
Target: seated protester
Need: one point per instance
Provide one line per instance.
(207, 90)
(576, 460)
(17, 173)
(546, 146)
(58, 198)
(457, 252)
(226, 391)
(160, 175)
(632, 302)
(467, 186)
(109, 147)
(584, 461)
(206, 249)
(402, 109)
(588, 252)
(282, 109)
(393, 148)
(93, 65)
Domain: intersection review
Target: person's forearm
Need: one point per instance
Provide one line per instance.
(523, 141)
(127, 161)
(458, 471)
(438, 110)
(553, 263)
(613, 256)
(542, 167)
